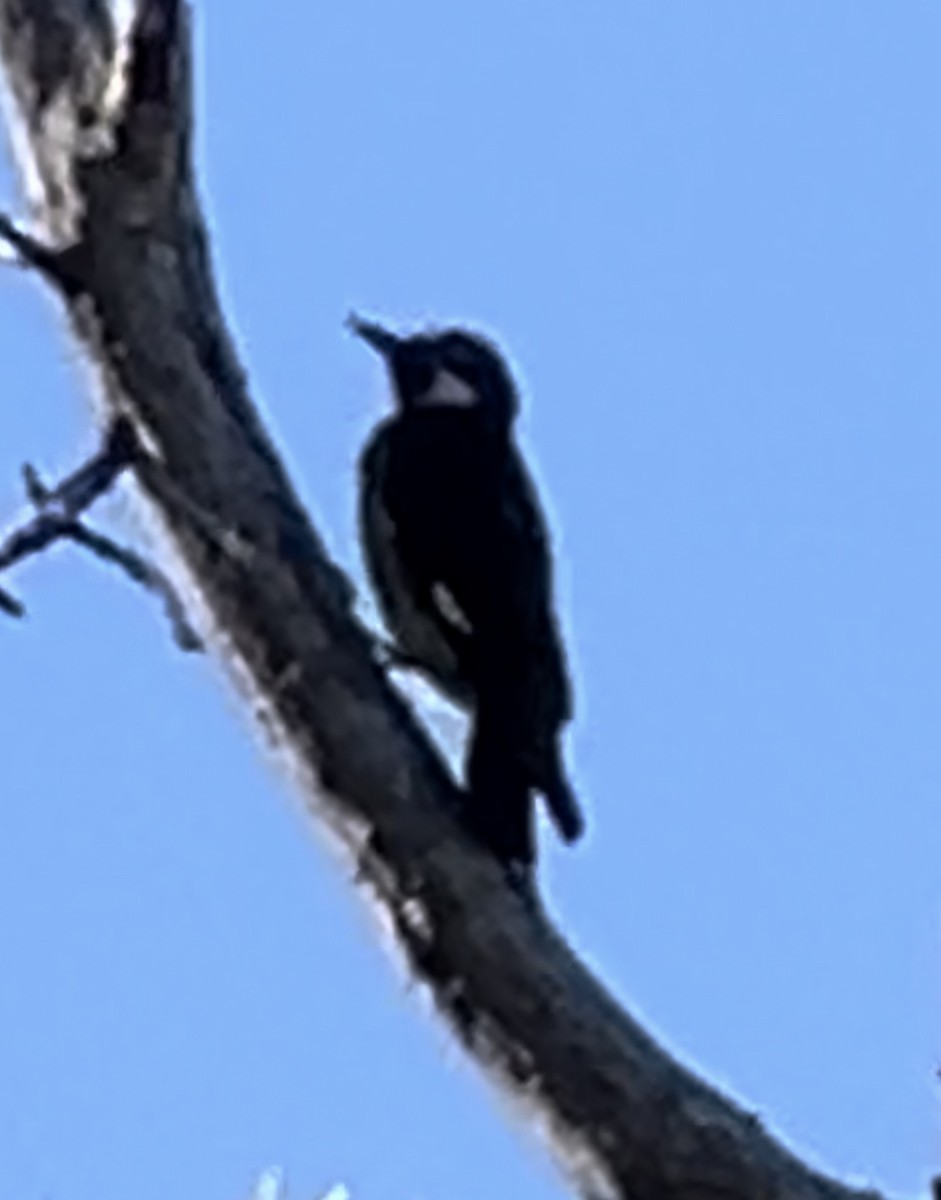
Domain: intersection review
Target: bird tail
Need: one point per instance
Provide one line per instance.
(502, 783)
(500, 809)
(561, 801)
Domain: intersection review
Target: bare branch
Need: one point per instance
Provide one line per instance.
(60, 507)
(627, 1119)
(10, 605)
(57, 518)
(144, 573)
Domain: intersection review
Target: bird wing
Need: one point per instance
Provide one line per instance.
(497, 570)
(499, 574)
(423, 617)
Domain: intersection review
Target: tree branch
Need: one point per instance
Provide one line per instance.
(58, 518)
(107, 129)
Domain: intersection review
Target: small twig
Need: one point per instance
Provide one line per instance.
(61, 267)
(141, 572)
(10, 605)
(63, 505)
(29, 250)
(58, 516)
(34, 537)
(92, 479)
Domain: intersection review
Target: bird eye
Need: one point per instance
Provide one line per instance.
(461, 358)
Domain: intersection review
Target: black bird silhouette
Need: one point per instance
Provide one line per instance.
(457, 550)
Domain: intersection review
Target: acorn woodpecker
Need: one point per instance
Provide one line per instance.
(457, 550)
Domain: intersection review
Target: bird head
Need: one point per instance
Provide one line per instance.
(453, 368)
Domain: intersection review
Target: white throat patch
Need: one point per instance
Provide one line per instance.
(448, 388)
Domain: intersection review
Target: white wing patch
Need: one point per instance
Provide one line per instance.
(450, 609)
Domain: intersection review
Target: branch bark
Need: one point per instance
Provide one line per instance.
(103, 128)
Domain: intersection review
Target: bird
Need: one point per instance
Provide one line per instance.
(458, 552)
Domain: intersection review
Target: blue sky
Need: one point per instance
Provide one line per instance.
(709, 236)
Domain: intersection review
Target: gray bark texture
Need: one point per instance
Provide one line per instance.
(101, 122)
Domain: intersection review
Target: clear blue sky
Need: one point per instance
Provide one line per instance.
(710, 237)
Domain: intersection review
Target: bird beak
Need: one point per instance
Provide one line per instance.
(381, 340)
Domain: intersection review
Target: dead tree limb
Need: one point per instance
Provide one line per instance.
(57, 517)
(102, 126)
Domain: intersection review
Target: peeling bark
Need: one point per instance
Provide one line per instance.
(103, 129)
